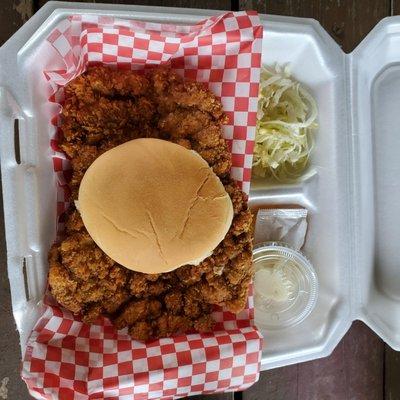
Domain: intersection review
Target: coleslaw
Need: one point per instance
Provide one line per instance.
(286, 120)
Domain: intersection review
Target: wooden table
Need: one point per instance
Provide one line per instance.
(362, 367)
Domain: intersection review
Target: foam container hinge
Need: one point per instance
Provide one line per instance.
(351, 188)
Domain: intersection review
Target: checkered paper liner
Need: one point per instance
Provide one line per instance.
(68, 359)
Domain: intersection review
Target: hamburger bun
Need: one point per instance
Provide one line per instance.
(153, 206)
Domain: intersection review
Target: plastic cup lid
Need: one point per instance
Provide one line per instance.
(286, 285)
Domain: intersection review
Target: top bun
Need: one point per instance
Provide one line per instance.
(153, 206)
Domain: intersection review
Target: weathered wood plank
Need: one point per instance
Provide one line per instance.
(395, 7)
(353, 371)
(323, 378)
(364, 363)
(276, 384)
(213, 4)
(219, 396)
(347, 21)
(392, 374)
(13, 13)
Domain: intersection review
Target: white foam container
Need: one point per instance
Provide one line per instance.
(352, 189)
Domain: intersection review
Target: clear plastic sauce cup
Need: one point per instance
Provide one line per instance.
(285, 283)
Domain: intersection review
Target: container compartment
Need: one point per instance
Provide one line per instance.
(386, 164)
(318, 63)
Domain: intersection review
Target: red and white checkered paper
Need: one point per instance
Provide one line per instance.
(67, 359)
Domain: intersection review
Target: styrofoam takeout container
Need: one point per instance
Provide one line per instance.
(351, 189)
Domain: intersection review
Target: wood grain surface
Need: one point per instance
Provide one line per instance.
(361, 367)
(12, 15)
(219, 396)
(355, 370)
(392, 374)
(211, 4)
(347, 21)
(395, 7)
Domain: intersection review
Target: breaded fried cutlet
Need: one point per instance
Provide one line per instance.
(104, 108)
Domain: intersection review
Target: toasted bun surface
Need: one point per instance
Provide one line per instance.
(153, 206)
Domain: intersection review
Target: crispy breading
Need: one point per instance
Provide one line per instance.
(180, 123)
(138, 311)
(84, 279)
(108, 82)
(141, 330)
(111, 82)
(104, 108)
(174, 93)
(93, 122)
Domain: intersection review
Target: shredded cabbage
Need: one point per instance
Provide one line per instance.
(286, 119)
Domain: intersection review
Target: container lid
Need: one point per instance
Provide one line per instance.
(375, 91)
